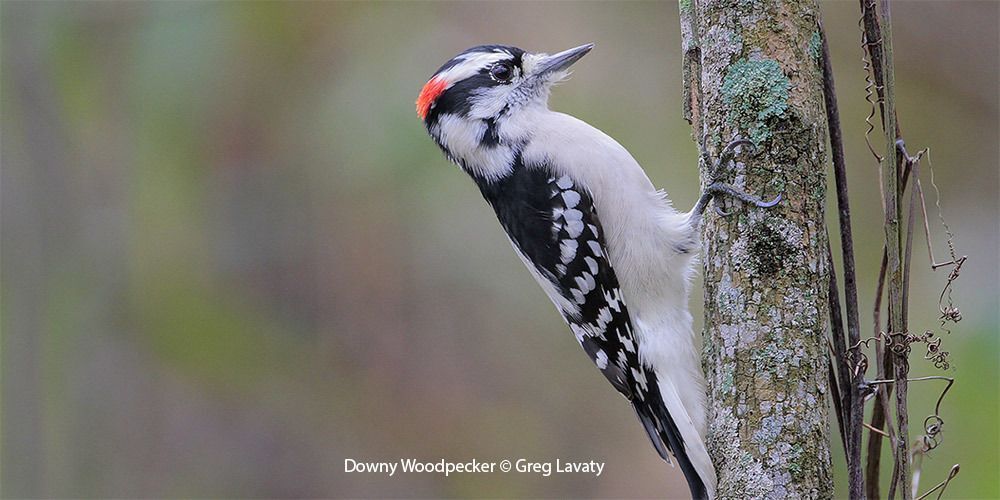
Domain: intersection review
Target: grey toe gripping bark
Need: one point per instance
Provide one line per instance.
(718, 188)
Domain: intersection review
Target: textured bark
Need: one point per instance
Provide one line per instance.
(753, 69)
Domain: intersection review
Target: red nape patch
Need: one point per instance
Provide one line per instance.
(431, 91)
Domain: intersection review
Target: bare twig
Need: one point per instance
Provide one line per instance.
(835, 392)
(894, 244)
(914, 166)
(851, 402)
(878, 431)
(839, 385)
(942, 485)
(933, 425)
(880, 411)
(872, 61)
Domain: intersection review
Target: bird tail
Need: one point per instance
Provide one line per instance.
(687, 447)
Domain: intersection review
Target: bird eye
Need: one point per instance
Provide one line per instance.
(501, 72)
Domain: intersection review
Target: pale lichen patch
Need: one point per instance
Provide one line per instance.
(750, 479)
(755, 92)
(815, 45)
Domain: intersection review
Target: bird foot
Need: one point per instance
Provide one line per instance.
(717, 188)
(728, 153)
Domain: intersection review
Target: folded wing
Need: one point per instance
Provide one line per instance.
(554, 226)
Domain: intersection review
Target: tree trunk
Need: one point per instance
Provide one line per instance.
(752, 69)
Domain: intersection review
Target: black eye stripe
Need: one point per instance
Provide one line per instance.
(455, 99)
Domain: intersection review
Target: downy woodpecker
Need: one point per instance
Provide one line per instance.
(607, 247)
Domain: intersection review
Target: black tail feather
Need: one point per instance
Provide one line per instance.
(664, 435)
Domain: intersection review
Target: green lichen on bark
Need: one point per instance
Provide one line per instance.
(816, 45)
(755, 91)
(765, 271)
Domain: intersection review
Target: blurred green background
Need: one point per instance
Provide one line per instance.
(232, 258)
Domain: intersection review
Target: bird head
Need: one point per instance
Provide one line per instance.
(485, 98)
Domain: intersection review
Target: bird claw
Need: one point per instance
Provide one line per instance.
(757, 202)
(769, 204)
(730, 151)
(718, 188)
(726, 155)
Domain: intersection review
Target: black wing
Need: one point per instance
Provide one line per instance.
(554, 224)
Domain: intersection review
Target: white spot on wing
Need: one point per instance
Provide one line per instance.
(640, 380)
(574, 228)
(573, 214)
(595, 248)
(626, 341)
(601, 358)
(612, 299)
(591, 263)
(565, 306)
(571, 198)
(564, 182)
(603, 318)
(567, 250)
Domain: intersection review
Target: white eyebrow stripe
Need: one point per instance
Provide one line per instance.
(470, 65)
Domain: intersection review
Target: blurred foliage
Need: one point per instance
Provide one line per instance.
(232, 258)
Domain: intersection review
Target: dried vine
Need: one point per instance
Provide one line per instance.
(850, 412)
(892, 343)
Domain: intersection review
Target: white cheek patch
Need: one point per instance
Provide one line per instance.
(463, 136)
(489, 102)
